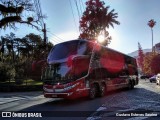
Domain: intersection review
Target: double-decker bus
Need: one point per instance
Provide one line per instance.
(81, 68)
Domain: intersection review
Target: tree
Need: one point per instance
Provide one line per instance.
(96, 19)
(12, 11)
(7, 72)
(140, 56)
(151, 24)
(30, 46)
(147, 63)
(8, 41)
(151, 63)
(155, 66)
(25, 50)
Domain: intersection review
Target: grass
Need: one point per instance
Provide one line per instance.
(32, 82)
(25, 82)
(27, 85)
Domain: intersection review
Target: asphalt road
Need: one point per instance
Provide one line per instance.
(143, 102)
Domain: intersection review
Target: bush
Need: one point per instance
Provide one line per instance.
(7, 72)
(19, 73)
(19, 81)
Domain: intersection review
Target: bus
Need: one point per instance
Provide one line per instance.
(82, 68)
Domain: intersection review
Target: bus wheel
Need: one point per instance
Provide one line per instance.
(130, 85)
(92, 92)
(102, 90)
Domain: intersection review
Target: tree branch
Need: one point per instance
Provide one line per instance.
(12, 19)
(11, 9)
(5, 21)
(26, 22)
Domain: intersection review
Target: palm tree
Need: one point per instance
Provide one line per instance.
(151, 24)
(96, 18)
(111, 19)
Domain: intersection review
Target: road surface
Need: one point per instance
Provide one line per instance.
(141, 103)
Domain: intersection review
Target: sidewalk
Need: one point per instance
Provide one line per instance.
(16, 96)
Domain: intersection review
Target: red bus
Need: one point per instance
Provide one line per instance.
(81, 68)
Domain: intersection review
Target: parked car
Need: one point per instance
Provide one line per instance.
(153, 78)
(145, 76)
(158, 79)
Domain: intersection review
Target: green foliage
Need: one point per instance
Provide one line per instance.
(7, 72)
(26, 50)
(19, 81)
(96, 18)
(19, 72)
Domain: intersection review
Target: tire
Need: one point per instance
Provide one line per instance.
(93, 91)
(102, 90)
(130, 85)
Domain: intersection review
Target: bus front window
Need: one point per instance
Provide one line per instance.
(58, 73)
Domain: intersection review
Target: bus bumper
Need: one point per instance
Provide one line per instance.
(57, 95)
(68, 95)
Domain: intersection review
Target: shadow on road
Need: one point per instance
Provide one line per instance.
(84, 107)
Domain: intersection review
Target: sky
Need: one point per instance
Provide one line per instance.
(133, 16)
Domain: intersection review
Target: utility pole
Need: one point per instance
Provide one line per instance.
(45, 35)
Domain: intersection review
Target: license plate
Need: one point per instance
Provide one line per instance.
(54, 95)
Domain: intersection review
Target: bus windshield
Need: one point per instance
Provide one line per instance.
(64, 50)
(58, 73)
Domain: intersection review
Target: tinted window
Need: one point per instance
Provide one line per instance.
(82, 48)
(58, 73)
(63, 50)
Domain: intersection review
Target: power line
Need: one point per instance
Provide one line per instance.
(39, 12)
(73, 13)
(82, 4)
(56, 36)
(41, 16)
(53, 40)
(77, 9)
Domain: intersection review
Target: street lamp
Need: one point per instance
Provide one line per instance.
(151, 24)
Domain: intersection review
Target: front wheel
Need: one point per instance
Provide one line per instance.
(92, 92)
(130, 85)
(102, 90)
